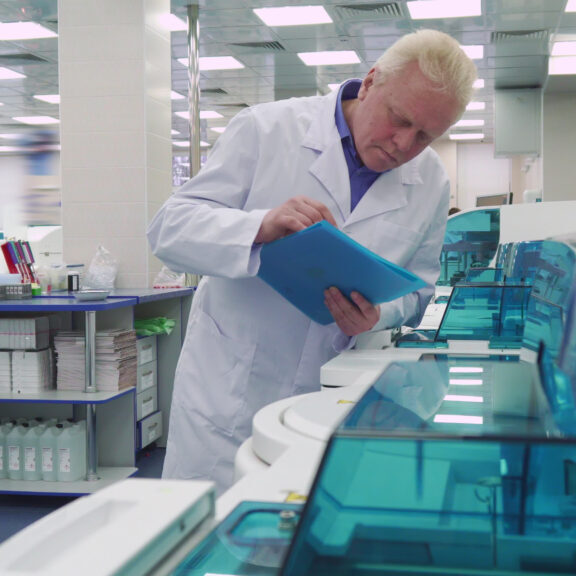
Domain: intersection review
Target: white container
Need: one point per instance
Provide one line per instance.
(5, 429)
(71, 445)
(31, 464)
(14, 451)
(48, 446)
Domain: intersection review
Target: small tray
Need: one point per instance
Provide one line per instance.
(91, 295)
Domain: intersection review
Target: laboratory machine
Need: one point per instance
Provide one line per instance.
(453, 465)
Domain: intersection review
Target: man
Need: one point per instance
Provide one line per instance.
(358, 158)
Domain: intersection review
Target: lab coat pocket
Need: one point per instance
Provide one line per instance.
(395, 242)
(218, 367)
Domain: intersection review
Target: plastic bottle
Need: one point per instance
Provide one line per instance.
(48, 445)
(14, 450)
(71, 445)
(5, 429)
(31, 464)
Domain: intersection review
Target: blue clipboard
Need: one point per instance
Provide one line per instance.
(301, 266)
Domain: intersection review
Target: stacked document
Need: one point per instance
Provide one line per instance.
(116, 362)
(32, 333)
(5, 371)
(31, 371)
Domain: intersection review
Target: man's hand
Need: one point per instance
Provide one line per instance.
(292, 216)
(353, 316)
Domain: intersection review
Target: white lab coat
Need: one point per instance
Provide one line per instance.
(245, 345)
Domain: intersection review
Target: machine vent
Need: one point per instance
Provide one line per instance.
(377, 10)
(271, 46)
(207, 91)
(15, 59)
(519, 35)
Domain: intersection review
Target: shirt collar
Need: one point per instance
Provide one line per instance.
(347, 91)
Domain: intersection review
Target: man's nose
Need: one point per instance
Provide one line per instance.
(404, 138)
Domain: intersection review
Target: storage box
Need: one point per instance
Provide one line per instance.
(146, 402)
(146, 349)
(146, 376)
(149, 429)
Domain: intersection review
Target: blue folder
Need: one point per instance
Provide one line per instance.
(301, 266)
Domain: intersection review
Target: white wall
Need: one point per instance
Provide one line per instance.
(559, 146)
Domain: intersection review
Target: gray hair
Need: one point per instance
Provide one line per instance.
(440, 58)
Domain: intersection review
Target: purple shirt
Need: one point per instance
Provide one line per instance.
(361, 178)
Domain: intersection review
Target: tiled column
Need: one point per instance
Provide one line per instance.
(115, 114)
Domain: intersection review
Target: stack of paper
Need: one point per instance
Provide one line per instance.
(25, 333)
(115, 360)
(31, 371)
(5, 371)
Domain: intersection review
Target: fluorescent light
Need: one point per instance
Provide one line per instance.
(465, 382)
(181, 143)
(219, 63)
(11, 136)
(563, 49)
(330, 58)
(218, 129)
(468, 123)
(467, 136)
(466, 369)
(12, 149)
(434, 9)
(176, 95)
(458, 419)
(204, 114)
(36, 120)
(50, 98)
(173, 23)
(174, 132)
(478, 83)
(293, 15)
(7, 74)
(24, 31)
(462, 398)
(571, 6)
(473, 106)
(474, 52)
(207, 63)
(559, 65)
(204, 144)
(210, 114)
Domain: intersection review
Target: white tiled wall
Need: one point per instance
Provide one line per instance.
(115, 130)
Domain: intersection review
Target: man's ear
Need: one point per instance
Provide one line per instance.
(366, 84)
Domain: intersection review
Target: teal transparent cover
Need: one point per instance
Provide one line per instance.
(471, 241)
(251, 541)
(445, 467)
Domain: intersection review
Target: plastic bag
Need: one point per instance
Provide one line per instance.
(101, 273)
(150, 326)
(168, 279)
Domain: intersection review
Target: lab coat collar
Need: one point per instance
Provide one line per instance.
(389, 191)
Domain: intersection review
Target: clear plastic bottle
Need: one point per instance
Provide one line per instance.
(71, 445)
(48, 445)
(14, 450)
(31, 464)
(5, 429)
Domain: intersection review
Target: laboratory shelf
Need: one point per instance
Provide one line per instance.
(65, 396)
(110, 415)
(106, 476)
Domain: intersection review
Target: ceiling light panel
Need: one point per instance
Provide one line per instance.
(293, 15)
(24, 31)
(435, 9)
(330, 58)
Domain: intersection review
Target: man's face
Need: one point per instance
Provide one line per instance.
(394, 121)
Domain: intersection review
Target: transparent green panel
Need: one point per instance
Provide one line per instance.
(251, 541)
(471, 241)
(443, 467)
